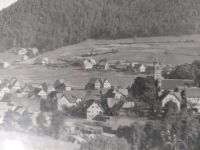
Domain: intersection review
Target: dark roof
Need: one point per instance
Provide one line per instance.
(170, 84)
(192, 92)
(56, 83)
(94, 80)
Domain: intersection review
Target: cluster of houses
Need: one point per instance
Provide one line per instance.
(121, 66)
(27, 53)
(97, 97)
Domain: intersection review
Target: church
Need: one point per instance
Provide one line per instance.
(170, 90)
(170, 85)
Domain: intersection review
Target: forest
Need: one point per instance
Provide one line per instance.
(49, 24)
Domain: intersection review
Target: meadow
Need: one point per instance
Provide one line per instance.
(171, 50)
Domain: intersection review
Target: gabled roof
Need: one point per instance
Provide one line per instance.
(170, 84)
(192, 92)
(69, 96)
(96, 102)
(176, 94)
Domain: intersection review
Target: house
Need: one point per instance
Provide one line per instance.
(94, 110)
(88, 65)
(24, 57)
(106, 84)
(140, 68)
(192, 96)
(93, 84)
(66, 100)
(22, 52)
(172, 101)
(43, 94)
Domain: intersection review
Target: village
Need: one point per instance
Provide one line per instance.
(89, 108)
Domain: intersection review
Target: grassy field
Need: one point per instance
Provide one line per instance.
(171, 50)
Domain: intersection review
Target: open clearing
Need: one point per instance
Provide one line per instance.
(171, 50)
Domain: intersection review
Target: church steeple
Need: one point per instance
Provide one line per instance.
(157, 70)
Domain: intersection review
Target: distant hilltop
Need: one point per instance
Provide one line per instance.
(49, 24)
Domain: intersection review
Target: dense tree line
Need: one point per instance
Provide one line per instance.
(54, 23)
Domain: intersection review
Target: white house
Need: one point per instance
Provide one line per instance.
(142, 68)
(93, 110)
(42, 94)
(66, 100)
(106, 84)
(193, 98)
(88, 65)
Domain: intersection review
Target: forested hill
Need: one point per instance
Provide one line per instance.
(48, 24)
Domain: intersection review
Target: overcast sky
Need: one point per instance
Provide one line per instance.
(6, 3)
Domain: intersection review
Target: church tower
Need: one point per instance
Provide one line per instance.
(157, 71)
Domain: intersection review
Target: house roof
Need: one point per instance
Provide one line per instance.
(69, 96)
(170, 84)
(94, 80)
(176, 94)
(96, 102)
(192, 92)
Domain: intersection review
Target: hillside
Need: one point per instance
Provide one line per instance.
(49, 24)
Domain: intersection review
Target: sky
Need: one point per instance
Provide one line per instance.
(6, 3)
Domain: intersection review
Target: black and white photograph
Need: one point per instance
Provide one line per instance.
(99, 74)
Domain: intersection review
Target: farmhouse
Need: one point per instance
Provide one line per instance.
(89, 63)
(93, 110)
(93, 84)
(106, 84)
(140, 68)
(192, 96)
(66, 100)
(97, 83)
